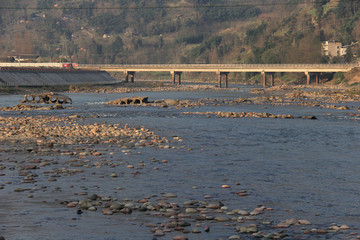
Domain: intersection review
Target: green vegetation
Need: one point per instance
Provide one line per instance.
(169, 31)
(339, 78)
(221, 14)
(108, 23)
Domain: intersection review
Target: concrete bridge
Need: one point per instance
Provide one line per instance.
(222, 70)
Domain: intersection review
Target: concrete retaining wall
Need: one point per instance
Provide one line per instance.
(51, 78)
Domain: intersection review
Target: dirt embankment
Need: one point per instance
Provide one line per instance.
(353, 76)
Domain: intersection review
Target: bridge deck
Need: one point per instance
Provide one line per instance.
(199, 67)
(220, 67)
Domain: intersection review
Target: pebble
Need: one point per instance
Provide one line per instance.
(180, 238)
(170, 195)
(287, 223)
(72, 204)
(107, 211)
(126, 210)
(159, 233)
(304, 222)
(191, 210)
(213, 206)
(152, 225)
(222, 219)
(93, 209)
(344, 227)
(234, 237)
(247, 229)
(321, 231)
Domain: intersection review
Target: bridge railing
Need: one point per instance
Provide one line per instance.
(224, 66)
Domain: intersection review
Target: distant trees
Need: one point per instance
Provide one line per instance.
(191, 39)
(319, 6)
(213, 31)
(252, 33)
(215, 10)
(209, 44)
(348, 13)
(85, 9)
(109, 23)
(347, 8)
(117, 48)
(45, 3)
(349, 57)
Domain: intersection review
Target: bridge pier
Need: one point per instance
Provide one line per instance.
(174, 74)
(263, 78)
(317, 76)
(130, 74)
(272, 79)
(220, 76)
(308, 77)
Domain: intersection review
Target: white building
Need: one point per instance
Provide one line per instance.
(333, 49)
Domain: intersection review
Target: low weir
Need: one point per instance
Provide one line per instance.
(46, 98)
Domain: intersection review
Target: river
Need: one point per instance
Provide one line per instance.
(301, 168)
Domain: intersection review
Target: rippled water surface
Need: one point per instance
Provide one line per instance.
(307, 169)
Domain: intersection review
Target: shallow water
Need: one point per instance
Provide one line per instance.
(307, 169)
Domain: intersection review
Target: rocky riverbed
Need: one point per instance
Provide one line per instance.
(64, 148)
(73, 170)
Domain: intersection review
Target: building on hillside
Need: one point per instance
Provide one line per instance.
(333, 49)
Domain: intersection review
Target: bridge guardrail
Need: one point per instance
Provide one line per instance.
(170, 66)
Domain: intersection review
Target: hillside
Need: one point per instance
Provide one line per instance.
(169, 31)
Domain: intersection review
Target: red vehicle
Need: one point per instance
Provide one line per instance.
(67, 65)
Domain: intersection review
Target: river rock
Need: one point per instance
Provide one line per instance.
(126, 210)
(115, 206)
(191, 210)
(304, 222)
(287, 223)
(222, 219)
(107, 211)
(159, 233)
(93, 209)
(170, 195)
(252, 228)
(321, 231)
(234, 237)
(344, 227)
(213, 206)
(180, 238)
(171, 102)
(72, 204)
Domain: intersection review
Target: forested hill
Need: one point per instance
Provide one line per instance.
(173, 31)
